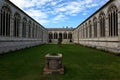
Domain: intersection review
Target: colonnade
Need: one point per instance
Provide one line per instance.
(56, 35)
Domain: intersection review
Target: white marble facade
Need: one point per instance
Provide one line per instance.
(18, 30)
(102, 29)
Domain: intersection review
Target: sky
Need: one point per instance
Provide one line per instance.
(59, 13)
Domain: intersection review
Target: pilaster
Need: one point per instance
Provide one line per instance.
(98, 32)
(92, 30)
(0, 23)
(11, 26)
(107, 27)
(31, 31)
(119, 27)
(27, 29)
(20, 28)
(106, 30)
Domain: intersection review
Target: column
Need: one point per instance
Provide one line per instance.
(98, 31)
(119, 27)
(5, 24)
(92, 36)
(11, 26)
(20, 28)
(107, 29)
(31, 30)
(53, 35)
(27, 29)
(0, 22)
(67, 35)
(62, 35)
(88, 31)
(58, 34)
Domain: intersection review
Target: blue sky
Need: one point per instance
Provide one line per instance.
(59, 13)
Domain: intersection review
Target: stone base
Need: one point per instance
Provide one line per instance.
(54, 71)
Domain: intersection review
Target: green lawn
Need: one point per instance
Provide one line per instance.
(80, 63)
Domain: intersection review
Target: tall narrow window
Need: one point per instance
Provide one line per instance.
(50, 35)
(36, 31)
(33, 31)
(65, 35)
(5, 21)
(69, 35)
(83, 31)
(113, 21)
(29, 29)
(102, 24)
(60, 35)
(16, 24)
(24, 27)
(55, 35)
(95, 27)
(1, 25)
(90, 29)
(86, 31)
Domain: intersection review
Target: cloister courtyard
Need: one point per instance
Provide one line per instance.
(80, 63)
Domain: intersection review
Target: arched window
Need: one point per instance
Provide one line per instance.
(113, 21)
(5, 21)
(29, 29)
(60, 35)
(95, 27)
(65, 35)
(69, 35)
(86, 30)
(36, 31)
(50, 35)
(33, 30)
(24, 24)
(102, 24)
(90, 29)
(55, 35)
(16, 24)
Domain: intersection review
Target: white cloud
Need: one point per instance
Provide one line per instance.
(60, 17)
(45, 11)
(36, 13)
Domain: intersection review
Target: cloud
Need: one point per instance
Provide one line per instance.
(59, 17)
(36, 13)
(55, 11)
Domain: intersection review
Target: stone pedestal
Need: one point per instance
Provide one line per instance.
(53, 64)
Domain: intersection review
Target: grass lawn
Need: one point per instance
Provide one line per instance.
(80, 63)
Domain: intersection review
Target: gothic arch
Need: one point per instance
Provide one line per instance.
(5, 21)
(90, 29)
(16, 29)
(55, 35)
(95, 27)
(65, 35)
(24, 27)
(50, 35)
(70, 35)
(33, 30)
(86, 29)
(29, 29)
(7, 6)
(113, 20)
(102, 24)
